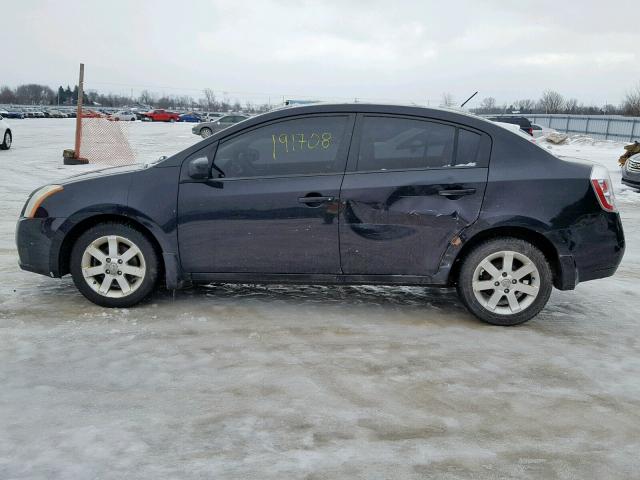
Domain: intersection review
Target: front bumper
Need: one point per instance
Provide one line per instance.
(630, 178)
(631, 183)
(35, 239)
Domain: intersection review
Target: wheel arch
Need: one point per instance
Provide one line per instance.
(536, 238)
(64, 253)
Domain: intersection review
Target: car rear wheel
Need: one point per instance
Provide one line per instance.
(505, 281)
(206, 132)
(6, 141)
(172, 120)
(114, 265)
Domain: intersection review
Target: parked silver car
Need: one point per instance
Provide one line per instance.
(206, 129)
(631, 168)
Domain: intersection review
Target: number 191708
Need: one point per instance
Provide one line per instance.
(298, 142)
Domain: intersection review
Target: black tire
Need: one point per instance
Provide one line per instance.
(471, 267)
(5, 145)
(150, 260)
(206, 132)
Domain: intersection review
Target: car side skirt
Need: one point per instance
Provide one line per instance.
(310, 279)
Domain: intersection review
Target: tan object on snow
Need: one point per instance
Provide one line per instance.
(631, 150)
(556, 138)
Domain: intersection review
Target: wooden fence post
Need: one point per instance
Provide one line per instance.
(79, 112)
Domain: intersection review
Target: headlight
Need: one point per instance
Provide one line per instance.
(38, 197)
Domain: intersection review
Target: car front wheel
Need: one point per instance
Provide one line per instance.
(6, 141)
(114, 265)
(206, 132)
(505, 281)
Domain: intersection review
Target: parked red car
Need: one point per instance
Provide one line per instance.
(92, 114)
(162, 116)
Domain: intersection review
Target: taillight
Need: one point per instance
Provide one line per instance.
(601, 183)
(530, 131)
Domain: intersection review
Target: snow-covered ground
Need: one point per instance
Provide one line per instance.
(307, 382)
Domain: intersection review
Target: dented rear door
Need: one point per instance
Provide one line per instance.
(410, 188)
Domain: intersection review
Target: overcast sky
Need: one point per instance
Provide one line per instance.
(391, 50)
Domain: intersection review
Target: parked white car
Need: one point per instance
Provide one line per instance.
(6, 137)
(124, 115)
(540, 131)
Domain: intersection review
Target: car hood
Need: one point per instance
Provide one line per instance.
(102, 172)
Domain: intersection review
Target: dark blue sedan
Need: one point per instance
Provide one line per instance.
(336, 194)
(14, 114)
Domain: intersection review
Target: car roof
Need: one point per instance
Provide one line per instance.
(438, 114)
(445, 114)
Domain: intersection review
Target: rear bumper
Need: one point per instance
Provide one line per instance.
(596, 250)
(35, 238)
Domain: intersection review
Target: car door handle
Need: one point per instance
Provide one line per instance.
(315, 199)
(457, 192)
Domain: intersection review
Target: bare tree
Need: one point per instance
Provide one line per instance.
(631, 102)
(610, 109)
(525, 105)
(571, 105)
(209, 97)
(7, 95)
(448, 100)
(35, 94)
(488, 105)
(551, 102)
(146, 97)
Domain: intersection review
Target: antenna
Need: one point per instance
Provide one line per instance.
(467, 100)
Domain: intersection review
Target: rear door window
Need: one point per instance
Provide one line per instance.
(390, 143)
(304, 146)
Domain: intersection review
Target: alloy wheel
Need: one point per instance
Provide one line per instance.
(113, 266)
(506, 282)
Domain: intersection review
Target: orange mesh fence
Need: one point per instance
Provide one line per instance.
(106, 141)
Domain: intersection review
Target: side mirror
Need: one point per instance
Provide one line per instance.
(198, 168)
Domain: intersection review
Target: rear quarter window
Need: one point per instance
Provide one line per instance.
(468, 148)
